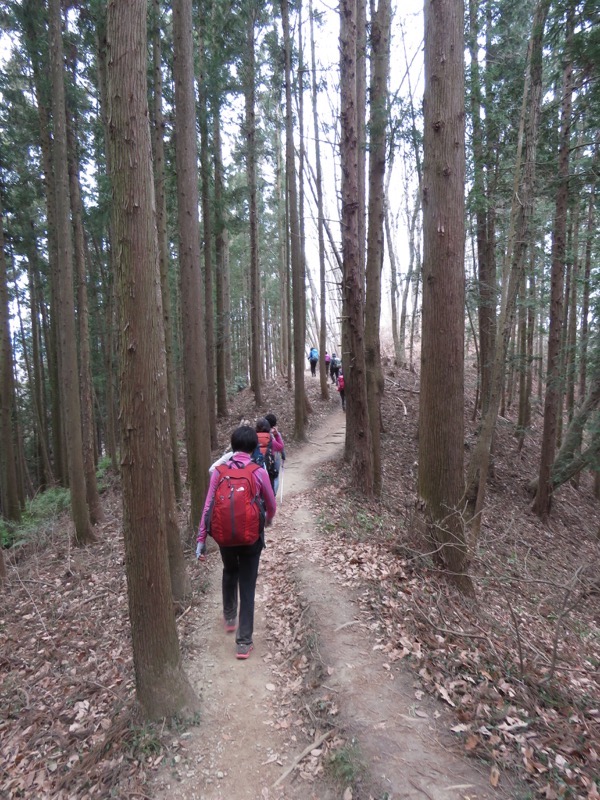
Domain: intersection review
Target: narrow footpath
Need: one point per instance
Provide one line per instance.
(249, 738)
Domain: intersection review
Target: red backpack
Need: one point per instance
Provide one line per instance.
(237, 514)
(341, 384)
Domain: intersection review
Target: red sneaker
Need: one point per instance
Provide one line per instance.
(244, 650)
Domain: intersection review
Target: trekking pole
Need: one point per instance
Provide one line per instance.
(281, 485)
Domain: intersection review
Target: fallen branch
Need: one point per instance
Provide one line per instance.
(302, 755)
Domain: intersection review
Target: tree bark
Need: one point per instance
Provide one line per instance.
(398, 354)
(46, 477)
(298, 290)
(358, 435)
(207, 238)
(223, 326)
(250, 137)
(110, 311)
(88, 428)
(11, 506)
(197, 426)
(571, 332)
(587, 271)
(441, 410)
(162, 687)
(320, 214)
(486, 275)
(158, 149)
(412, 260)
(542, 502)
(380, 58)
(68, 368)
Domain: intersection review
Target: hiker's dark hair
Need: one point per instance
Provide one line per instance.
(271, 419)
(263, 425)
(244, 440)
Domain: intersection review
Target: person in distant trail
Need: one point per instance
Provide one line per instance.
(268, 445)
(313, 358)
(239, 503)
(279, 454)
(341, 387)
(327, 362)
(335, 367)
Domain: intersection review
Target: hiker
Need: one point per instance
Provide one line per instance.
(327, 362)
(341, 387)
(313, 357)
(226, 456)
(335, 367)
(239, 492)
(268, 445)
(279, 454)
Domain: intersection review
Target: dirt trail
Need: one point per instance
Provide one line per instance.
(240, 748)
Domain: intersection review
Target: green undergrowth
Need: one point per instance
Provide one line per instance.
(106, 476)
(41, 511)
(346, 766)
(356, 522)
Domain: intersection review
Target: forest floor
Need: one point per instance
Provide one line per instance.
(371, 677)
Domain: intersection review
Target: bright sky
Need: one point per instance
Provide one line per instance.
(406, 67)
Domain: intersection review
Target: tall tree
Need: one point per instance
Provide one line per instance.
(380, 59)
(485, 263)
(162, 687)
(197, 428)
(11, 506)
(207, 237)
(358, 435)
(88, 428)
(320, 215)
(587, 271)
(541, 504)
(67, 362)
(250, 136)
(298, 291)
(223, 322)
(441, 413)
(158, 149)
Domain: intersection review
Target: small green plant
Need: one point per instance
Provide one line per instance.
(182, 724)
(145, 741)
(346, 765)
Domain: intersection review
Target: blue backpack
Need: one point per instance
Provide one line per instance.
(314, 354)
(266, 459)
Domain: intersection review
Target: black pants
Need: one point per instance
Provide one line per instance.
(240, 570)
(313, 366)
(335, 373)
(343, 398)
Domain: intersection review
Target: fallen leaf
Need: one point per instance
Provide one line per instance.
(444, 694)
(494, 776)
